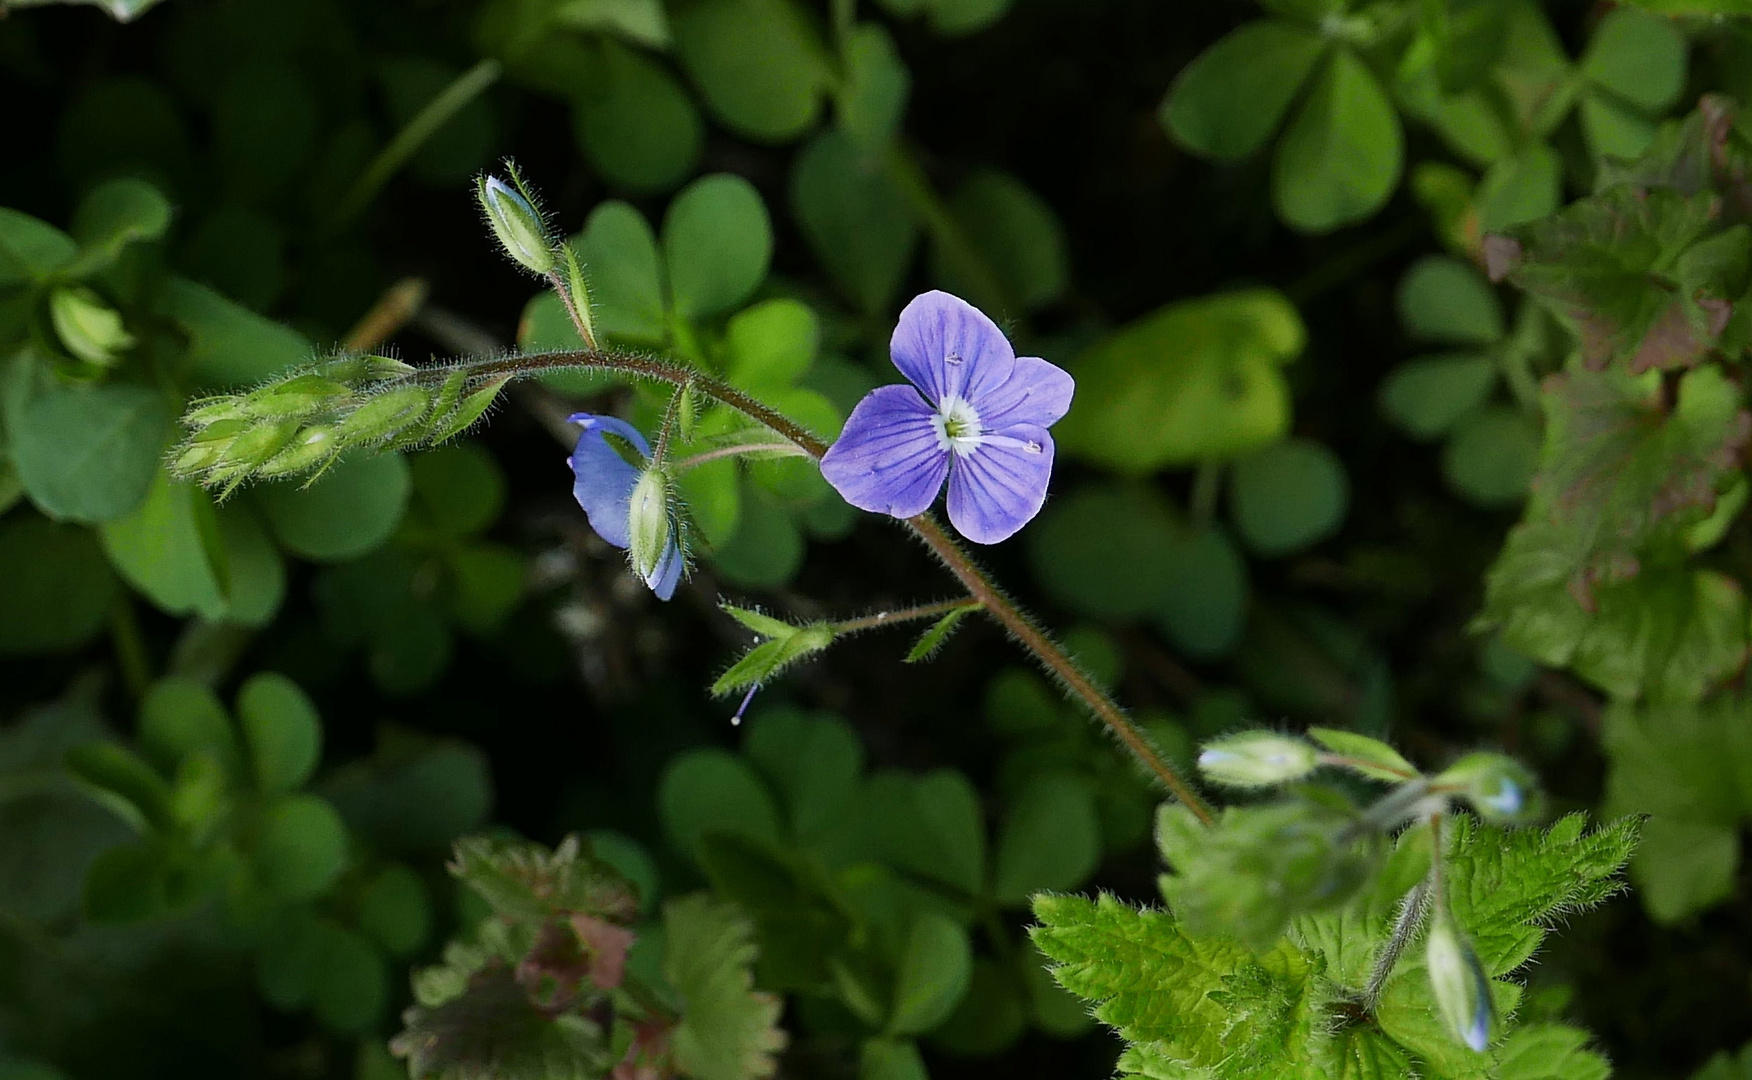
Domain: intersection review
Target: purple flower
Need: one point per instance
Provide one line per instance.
(975, 413)
(604, 488)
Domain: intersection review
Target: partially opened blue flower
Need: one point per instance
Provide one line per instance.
(604, 488)
(975, 413)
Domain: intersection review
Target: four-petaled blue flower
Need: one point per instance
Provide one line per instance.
(976, 413)
(604, 488)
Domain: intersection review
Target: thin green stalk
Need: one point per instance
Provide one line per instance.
(130, 647)
(1207, 483)
(738, 450)
(422, 126)
(982, 282)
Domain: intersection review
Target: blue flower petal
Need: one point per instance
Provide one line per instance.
(605, 480)
(888, 458)
(1037, 392)
(663, 579)
(949, 348)
(999, 486)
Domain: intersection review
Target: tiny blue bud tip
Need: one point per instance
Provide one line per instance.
(1506, 800)
(975, 416)
(1477, 1036)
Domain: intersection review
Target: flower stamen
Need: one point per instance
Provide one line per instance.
(958, 426)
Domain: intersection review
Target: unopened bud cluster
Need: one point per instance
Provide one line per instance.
(1497, 788)
(304, 422)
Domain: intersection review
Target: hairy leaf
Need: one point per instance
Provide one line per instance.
(728, 1030)
(1193, 1003)
(1615, 268)
(522, 880)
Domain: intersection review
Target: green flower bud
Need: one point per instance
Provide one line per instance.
(1257, 759)
(379, 368)
(1499, 788)
(258, 442)
(88, 327)
(312, 446)
(351, 370)
(516, 222)
(208, 447)
(1457, 980)
(215, 410)
(648, 524)
(383, 415)
(295, 397)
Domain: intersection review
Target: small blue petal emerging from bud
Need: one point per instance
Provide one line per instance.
(604, 487)
(1459, 984)
(1257, 759)
(1499, 788)
(517, 224)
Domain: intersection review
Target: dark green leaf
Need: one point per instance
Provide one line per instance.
(89, 454)
(1339, 160)
(1227, 102)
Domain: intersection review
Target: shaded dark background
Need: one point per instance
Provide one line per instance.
(1063, 93)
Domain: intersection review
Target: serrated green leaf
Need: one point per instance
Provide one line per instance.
(1198, 1003)
(1258, 868)
(728, 1030)
(1550, 1052)
(1604, 264)
(1590, 578)
(524, 880)
(1507, 886)
(491, 1030)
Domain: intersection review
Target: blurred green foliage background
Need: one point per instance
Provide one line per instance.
(238, 738)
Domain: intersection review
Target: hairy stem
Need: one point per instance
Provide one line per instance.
(979, 586)
(1412, 909)
(738, 450)
(889, 618)
(1075, 680)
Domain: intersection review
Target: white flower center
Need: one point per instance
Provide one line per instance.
(957, 424)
